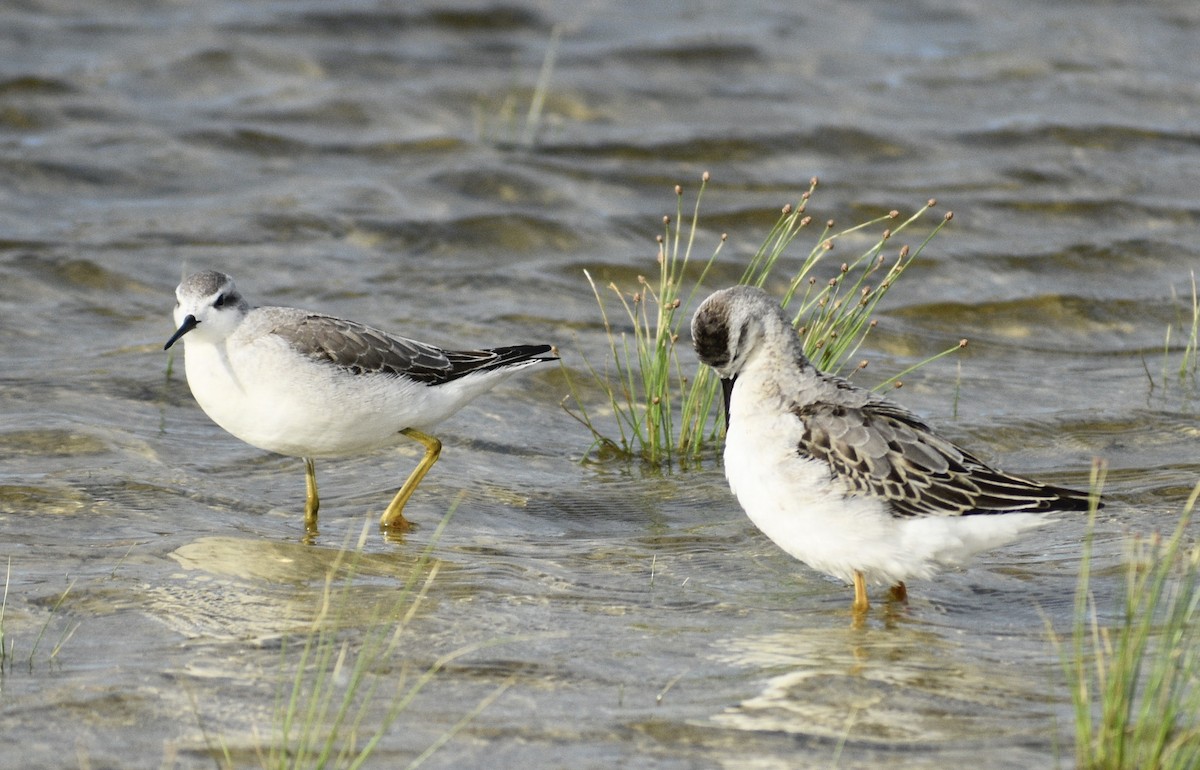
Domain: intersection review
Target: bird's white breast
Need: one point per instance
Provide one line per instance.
(790, 497)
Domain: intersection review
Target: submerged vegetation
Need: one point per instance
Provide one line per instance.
(503, 124)
(8, 644)
(1189, 325)
(1186, 326)
(658, 408)
(1135, 682)
(346, 683)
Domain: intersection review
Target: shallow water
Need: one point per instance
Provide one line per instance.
(372, 161)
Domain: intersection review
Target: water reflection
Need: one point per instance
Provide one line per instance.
(255, 589)
(898, 684)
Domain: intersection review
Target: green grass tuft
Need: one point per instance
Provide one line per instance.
(8, 644)
(646, 380)
(5, 642)
(1189, 364)
(1135, 685)
(1187, 323)
(660, 410)
(346, 683)
(501, 123)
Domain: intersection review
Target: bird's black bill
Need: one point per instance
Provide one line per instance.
(727, 389)
(189, 323)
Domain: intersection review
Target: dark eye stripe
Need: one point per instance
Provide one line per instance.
(223, 299)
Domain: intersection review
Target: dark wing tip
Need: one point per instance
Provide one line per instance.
(464, 362)
(517, 353)
(503, 357)
(1065, 499)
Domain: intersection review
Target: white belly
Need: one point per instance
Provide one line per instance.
(274, 399)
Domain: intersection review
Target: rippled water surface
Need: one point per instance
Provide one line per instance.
(374, 160)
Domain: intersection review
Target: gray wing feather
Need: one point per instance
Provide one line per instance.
(361, 349)
(881, 449)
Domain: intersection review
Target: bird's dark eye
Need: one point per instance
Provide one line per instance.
(220, 301)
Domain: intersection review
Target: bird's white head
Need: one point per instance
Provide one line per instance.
(208, 304)
(731, 324)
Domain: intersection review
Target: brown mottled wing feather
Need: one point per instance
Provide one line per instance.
(361, 349)
(881, 449)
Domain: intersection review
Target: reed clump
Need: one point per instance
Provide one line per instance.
(661, 406)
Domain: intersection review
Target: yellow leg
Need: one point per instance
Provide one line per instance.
(899, 592)
(312, 502)
(393, 517)
(860, 593)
